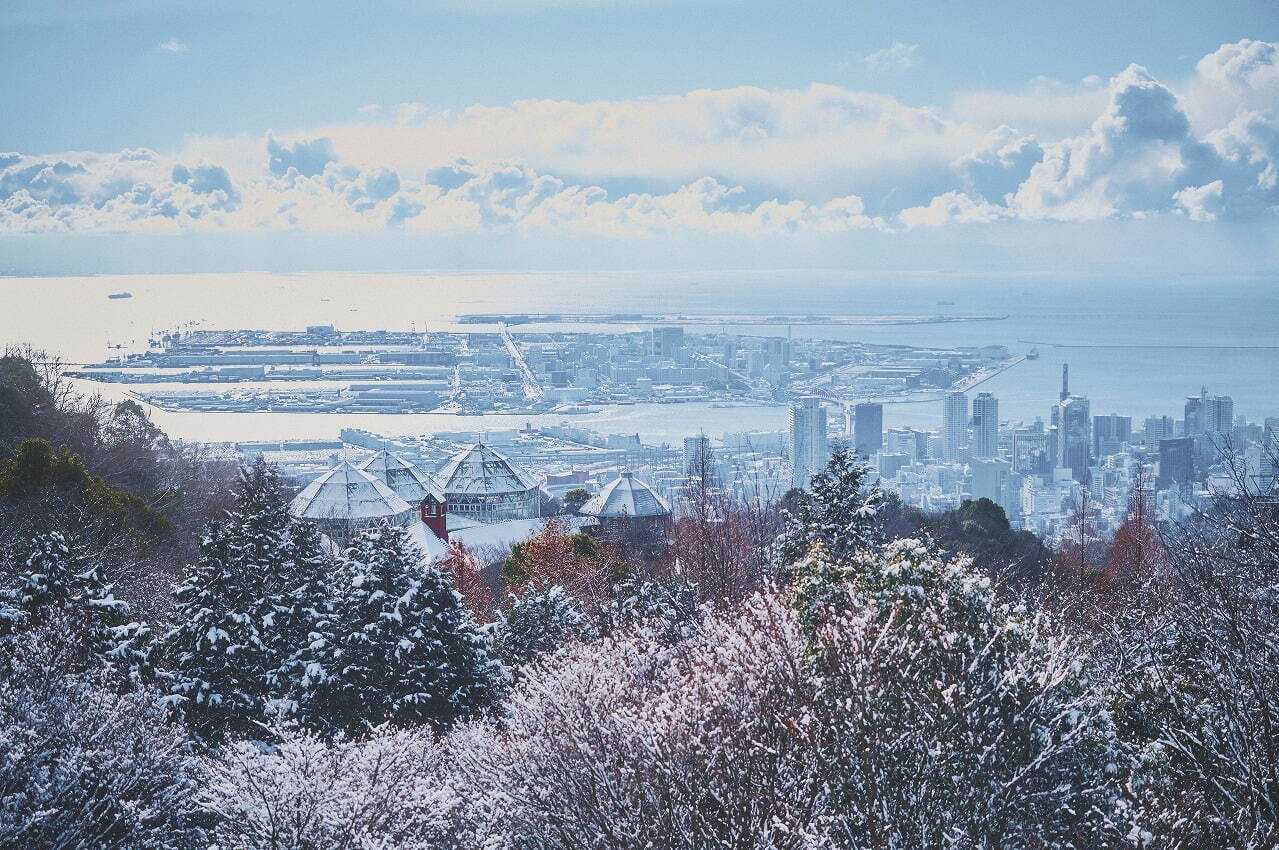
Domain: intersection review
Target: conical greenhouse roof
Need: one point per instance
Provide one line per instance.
(482, 471)
(626, 496)
(346, 493)
(409, 483)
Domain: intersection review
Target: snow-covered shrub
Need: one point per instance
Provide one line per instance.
(83, 766)
(630, 742)
(304, 792)
(538, 623)
(949, 719)
(666, 609)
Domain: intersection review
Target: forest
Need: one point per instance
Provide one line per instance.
(185, 665)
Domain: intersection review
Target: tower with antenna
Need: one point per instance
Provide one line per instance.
(1065, 381)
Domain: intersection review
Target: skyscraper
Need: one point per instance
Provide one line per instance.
(667, 342)
(1030, 451)
(1192, 422)
(1158, 428)
(810, 449)
(1176, 462)
(868, 428)
(954, 427)
(1218, 414)
(985, 426)
(1074, 436)
(696, 456)
(1109, 433)
(1269, 452)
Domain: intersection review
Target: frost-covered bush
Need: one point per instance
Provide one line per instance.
(383, 791)
(630, 742)
(948, 718)
(83, 766)
(668, 609)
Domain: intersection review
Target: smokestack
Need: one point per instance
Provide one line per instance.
(1065, 381)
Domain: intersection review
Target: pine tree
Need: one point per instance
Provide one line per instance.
(63, 581)
(216, 654)
(247, 609)
(405, 650)
(666, 610)
(538, 623)
(839, 511)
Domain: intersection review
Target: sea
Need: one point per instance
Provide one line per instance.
(1136, 347)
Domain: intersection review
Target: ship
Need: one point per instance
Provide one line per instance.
(117, 295)
(1033, 354)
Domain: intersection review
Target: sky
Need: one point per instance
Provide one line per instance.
(164, 135)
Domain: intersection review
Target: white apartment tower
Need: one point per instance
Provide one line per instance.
(954, 429)
(985, 425)
(810, 449)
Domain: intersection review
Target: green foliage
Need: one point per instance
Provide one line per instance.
(35, 473)
(538, 623)
(574, 499)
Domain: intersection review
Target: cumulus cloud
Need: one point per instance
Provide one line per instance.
(896, 56)
(734, 161)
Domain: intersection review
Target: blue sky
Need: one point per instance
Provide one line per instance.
(821, 130)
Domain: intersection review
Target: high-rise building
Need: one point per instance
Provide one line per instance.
(868, 428)
(697, 459)
(954, 429)
(1109, 433)
(1192, 422)
(1158, 428)
(1030, 451)
(991, 481)
(1176, 462)
(810, 449)
(667, 342)
(1218, 414)
(1269, 467)
(1074, 436)
(985, 425)
(778, 352)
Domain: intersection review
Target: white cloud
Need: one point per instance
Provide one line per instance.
(743, 160)
(895, 57)
(172, 46)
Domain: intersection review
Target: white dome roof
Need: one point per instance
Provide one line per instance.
(482, 471)
(409, 483)
(344, 493)
(626, 496)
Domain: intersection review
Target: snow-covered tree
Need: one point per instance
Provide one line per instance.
(251, 603)
(303, 791)
(404, 649)
(61, 579)
(950, 719)
(668, 609)
(83, 765)
(629, 742)
(839, 511)
(538, 623)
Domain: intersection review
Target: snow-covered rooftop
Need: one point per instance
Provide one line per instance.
(346, 493)
(409, 483)
(483, 471)
(626, 496)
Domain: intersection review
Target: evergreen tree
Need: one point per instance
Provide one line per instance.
(839, 511)
(61, 580)
(247, 609)
(538, 623)
(404, 649)
(216, 655)
(667, 610)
